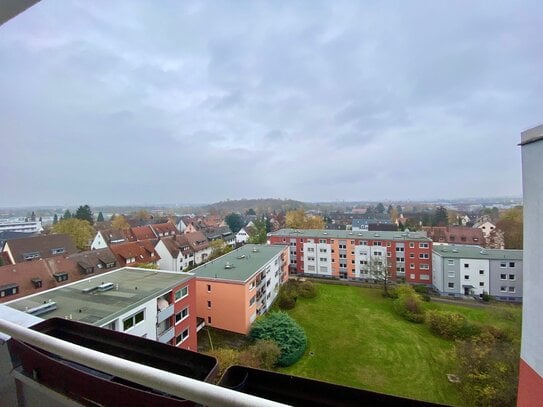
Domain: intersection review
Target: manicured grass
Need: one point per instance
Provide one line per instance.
(355, 339)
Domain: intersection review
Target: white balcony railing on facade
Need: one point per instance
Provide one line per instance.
(170, 383)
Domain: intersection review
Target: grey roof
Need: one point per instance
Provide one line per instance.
(347, 234)
(135, 287)
(41, 245)
(365, 222)
(243, 263)
(476, 252)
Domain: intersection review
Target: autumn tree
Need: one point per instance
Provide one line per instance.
(298, 219)
(142, 215)
(80, 230)
(218, 248)
(394, 214)
(84, 213)
(258, 235)
(120, 223)
(511, 224)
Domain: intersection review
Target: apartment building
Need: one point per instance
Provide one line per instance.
(153, 304)
(530, 389)
(21, 226)
(347, 254)
(232, 290)
(459, 270)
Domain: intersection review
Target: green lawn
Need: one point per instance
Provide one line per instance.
(355, 339)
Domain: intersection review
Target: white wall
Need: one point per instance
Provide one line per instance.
(474, 266)
(437, 272)
(146, 327)
(366, 253)
(167, 261)
(98, 242)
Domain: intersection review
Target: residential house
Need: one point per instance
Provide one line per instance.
(30, 277)
(38, 247)
(459, 270)
(108, 237)
(8, 235)
(143, 232)
(373, 222)
(223, 232)
(135, 253)
(175, 253)
(164, 229)
(199, 246)
(242, 236)
(455, 235)
(344, 254)
(157, 305)
(234, 289)
(486, 227)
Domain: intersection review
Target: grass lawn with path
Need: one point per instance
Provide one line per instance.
(355, 339)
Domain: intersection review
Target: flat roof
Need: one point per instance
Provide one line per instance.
(476, 252)
(349, 234)
(243, 263)
(531, 135)
(133, 287)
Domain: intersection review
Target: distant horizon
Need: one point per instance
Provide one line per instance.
(201, 204)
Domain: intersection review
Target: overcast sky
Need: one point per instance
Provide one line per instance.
(163, 102)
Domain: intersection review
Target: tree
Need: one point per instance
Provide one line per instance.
(378, 270)
(258, 235)
(399, 209)
(84, 213)
(234, 221)
(394, 214)
(143, 215)
(120, 223)
(250, 211)
(283, 330)
(80, 230)
(297, 219)
(380, 208)
(33, 216)
(441, 217)
(67, 214)
(100, 217)
(55, 219)
(218, 248)
(511, 224)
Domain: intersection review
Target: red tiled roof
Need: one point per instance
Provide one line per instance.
(455, 234)
(196, 240)
(34, 276)
(143, 233)
(141, 252)
(164, 229)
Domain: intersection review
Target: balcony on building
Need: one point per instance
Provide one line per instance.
(165, 309)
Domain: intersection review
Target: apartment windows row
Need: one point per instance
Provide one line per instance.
(505, 264)
(182, 315)
(508, 289)
(182, 293)
(133, 320)
(511, 277)
(182, 337)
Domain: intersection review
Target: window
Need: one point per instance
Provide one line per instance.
(209, 320)
(424, 245)
(322, 250)
(481, 284)
(511, 289)
(182, 293)
(252, 285)
(61, 277)
(466, 277)
(466, 265)
(411, 245)
(324, 269)
(511, 264)
(450, 285)
(402, 259)
(208, 304)
(322, 259)
(310, 268)
(503, 264)
(503, 276)
(376, 253)
(133, 320)
(425, 277)
(400, 249)
(503, 289)
(310, 258)
(389, 244)
(512, 277)
(425, 267)
(322, 240)
(252, 300)
(182, 336)
(424, 256)
(389, 254)
(377, 243)
(411, 255)
(412, 266)
(58, 250)
(180, 316)
(450, 262)
(209, 288)
(481, 272)
(450, 274)
(400, 269)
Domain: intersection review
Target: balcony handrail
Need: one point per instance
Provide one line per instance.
(170, 383)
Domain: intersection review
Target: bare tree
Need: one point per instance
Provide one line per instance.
(378, 270)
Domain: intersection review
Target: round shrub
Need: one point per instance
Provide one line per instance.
(410, 308)
(286, 301)
(283, 330)
(307, 289)
(450, 325)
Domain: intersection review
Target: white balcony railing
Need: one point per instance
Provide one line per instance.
(170, 383)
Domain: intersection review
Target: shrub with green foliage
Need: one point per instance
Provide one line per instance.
(307, 289)
(292, 289)
(450, 325)
(283, 330)
(263, 354)
(408, 304)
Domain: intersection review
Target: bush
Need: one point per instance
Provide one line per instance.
(307, 289)
(286, 301)
(450, 325)
(263, 355)
(408, 304)
(283, 330)
(226, 358)
(421, 289)
(486, 296)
